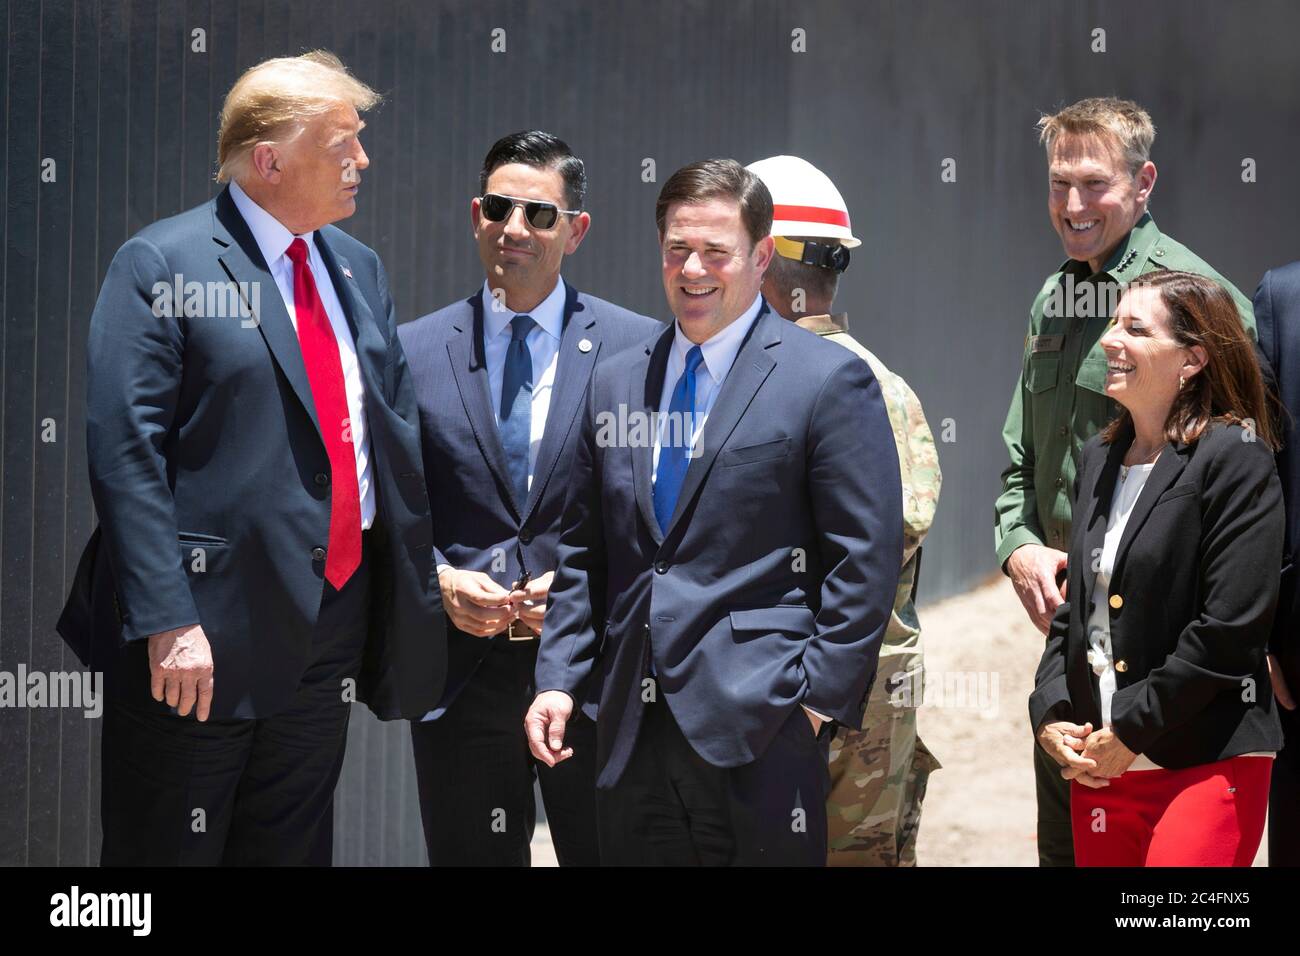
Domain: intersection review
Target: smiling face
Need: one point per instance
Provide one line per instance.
(517, 256)
(1143, 360)
(1093, 198)
(711, 270)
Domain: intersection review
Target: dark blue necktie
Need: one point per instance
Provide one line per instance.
(517, 405)
(674, 455)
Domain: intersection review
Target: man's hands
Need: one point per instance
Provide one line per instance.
(180, 669)
(478, 605)
(545, 723)
(1033, 569)
(475, 603)
(529, 604)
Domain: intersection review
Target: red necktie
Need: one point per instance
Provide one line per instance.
(320, 353)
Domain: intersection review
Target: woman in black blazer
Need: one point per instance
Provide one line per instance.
(1153, 692)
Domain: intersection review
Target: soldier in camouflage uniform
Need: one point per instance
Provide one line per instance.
(878, 774)
(1100, 178)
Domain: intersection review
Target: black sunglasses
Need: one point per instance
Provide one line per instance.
(540, 215)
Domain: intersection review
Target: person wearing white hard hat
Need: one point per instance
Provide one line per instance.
(878, 774)
(718, 660)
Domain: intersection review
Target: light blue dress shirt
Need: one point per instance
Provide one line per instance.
(543, 343)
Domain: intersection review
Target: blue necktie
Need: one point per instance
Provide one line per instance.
(517, 405)
(673, 455)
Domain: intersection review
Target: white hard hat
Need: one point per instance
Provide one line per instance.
(804, 200)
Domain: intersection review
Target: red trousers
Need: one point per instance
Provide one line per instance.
(1211, 815)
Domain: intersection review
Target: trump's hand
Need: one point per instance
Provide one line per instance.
(475, 603)
(180, 669)
(1033, 569)
(530, 603)
(545, 723)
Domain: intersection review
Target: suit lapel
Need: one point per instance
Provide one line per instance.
(469, 366)
(1168, 467)
(645, 383)
(572, 373)
(752, 366)
(371, 349)
(242, 261)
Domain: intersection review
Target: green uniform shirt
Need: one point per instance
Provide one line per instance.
(1060, 400)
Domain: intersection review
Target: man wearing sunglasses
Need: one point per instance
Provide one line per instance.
(500, 379)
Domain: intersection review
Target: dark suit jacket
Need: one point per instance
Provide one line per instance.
(1277, 315)
(478, 522)
(202, 434)
(1196, 573)
(774, 583)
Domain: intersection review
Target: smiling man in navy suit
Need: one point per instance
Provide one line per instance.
(729, 557)
(264, 550)
(500, 378)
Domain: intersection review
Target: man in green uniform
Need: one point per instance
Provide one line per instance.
(879, 774)
(1100, 178)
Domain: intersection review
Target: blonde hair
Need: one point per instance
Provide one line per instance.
(272, 100)
(1123, 122)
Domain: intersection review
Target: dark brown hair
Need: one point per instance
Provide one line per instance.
(1229, 388)
(719, 179)
(541, 150)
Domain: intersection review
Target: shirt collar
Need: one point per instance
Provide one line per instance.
(721, 349)
(825, 324)
(271, 235)
(1130, 256)
(549, 313)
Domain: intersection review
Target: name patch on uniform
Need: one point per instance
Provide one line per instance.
(1046, 343)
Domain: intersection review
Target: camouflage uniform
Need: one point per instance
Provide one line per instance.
(879, 775)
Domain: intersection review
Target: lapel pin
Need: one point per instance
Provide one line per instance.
(584, 345)
(347, 272)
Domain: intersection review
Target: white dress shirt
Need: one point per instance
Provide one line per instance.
(543, 343)
(273, 240)
(1101, 656)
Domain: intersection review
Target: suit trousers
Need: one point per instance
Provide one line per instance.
(673, 808)
(476, 774)
(260, 792)
(1055, 837)
(1284, 795)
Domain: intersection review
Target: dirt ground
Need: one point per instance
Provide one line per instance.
(979, 809)
(980, 656)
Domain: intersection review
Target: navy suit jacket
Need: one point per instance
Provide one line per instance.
(774, 582)
(479, 526)
(211, 479)
(1277, 317)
